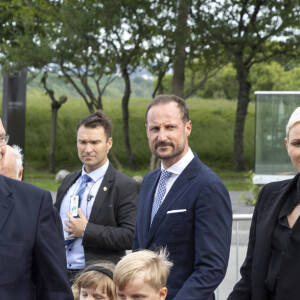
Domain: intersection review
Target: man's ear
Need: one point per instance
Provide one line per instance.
(2, 156)
(20, 175)
(109, 144)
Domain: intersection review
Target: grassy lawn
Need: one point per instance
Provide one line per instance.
(211, 138)
(233, 181)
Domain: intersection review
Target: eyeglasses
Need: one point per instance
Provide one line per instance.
(4, 140)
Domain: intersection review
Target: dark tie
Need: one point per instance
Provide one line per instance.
(161, 190)
(84, 180)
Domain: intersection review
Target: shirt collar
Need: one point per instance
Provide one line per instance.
(179, 166)
(98, 173)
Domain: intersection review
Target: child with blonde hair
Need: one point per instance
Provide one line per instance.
(142, 274)
(95, 282)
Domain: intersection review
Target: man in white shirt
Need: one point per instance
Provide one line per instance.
(183, 206)
(97, 204)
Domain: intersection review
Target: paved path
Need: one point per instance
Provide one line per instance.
(237, 255)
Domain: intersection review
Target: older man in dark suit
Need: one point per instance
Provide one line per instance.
(32, 257)
(183, 206)
(97, 204)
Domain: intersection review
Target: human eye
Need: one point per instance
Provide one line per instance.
(171, 127)
(82, 142)
(120, 296)
(296, 143)
(154, 129)
(83, 295)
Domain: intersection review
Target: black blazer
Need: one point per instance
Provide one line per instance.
(32, 252)
(255, 267)
(111, 225)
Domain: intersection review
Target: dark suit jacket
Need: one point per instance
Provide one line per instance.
(110, 229)
(32, 252)
(197, 239)
(255, 267)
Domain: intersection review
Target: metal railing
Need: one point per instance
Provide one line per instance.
(237, 219)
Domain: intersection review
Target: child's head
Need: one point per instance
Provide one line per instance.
(95, 281)
(142, 273)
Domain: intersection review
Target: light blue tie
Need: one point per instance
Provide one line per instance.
(84, 180)
(161, 190)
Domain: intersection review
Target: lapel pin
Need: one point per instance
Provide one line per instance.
(105, 189)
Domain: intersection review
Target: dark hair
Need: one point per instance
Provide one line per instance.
(162, 99)
(97, 119)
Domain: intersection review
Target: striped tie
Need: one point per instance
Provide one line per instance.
(84, 180)
(161, 190)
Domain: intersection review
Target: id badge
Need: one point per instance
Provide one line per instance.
(74, 203)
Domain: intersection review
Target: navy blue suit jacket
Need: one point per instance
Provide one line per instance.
(197, 236)
(32, 253)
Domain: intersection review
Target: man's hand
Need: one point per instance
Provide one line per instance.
(76, 226)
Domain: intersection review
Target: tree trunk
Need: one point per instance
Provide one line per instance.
(118, 165)
(154, 162)
(240, 118)
(125, 113)
(180, 45)
(54, 110)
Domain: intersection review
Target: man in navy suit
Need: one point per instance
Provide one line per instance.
(32, 256)
(189, 211)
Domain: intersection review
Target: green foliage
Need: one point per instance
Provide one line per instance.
(211, 138)
(167, 84)
(223, 85)
(254, 188)
(266, 76)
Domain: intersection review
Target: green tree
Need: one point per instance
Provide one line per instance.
(55, 106)
(251, 31)
(180, 41)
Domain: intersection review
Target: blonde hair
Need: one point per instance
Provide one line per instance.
(91, 278)
(294, 119)
(155, 267)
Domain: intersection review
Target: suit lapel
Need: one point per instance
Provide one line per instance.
(269, 218)
(6, 204)
(173, 197)
(103, 192)
(146, 208)
(67, 183)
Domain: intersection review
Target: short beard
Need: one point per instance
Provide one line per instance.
(170, 155)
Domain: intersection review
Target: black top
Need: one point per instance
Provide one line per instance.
(282, 247)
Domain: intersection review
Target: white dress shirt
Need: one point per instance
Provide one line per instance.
(75, 255)
(176, 170)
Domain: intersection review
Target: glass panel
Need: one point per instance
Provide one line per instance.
(272, 114)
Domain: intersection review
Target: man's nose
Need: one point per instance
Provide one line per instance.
(161, 135)
(88, 147)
